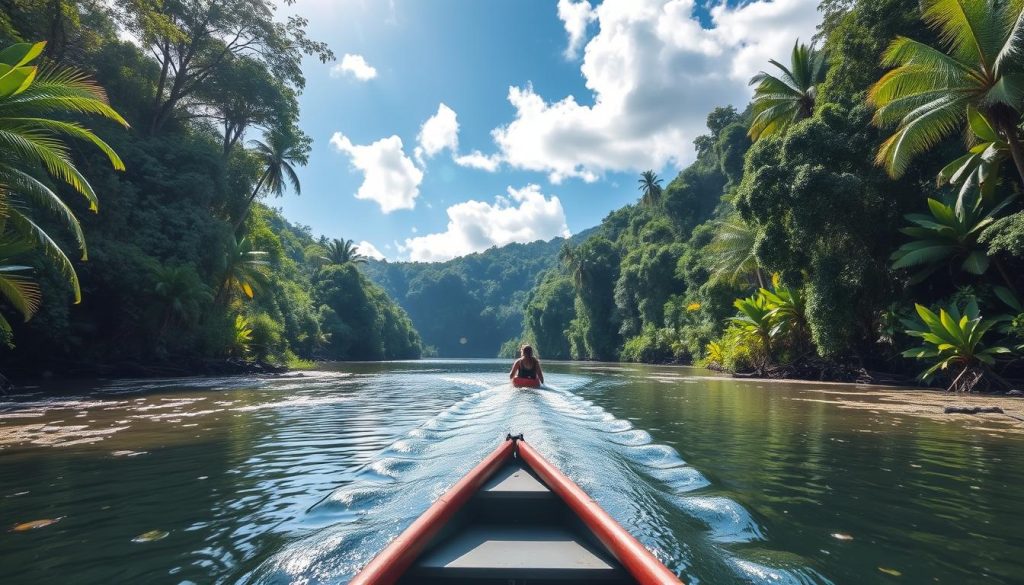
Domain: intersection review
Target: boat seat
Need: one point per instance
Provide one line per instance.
(514, 530)
(514, 481)
(488, 552)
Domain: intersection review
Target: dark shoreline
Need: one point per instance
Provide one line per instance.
(824, 372)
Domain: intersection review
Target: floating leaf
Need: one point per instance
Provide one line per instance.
(841, 536)
(151, 536)
(26, 526)
(892, 572)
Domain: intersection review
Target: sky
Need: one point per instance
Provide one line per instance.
(445, 127)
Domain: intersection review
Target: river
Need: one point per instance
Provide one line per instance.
(304, 479)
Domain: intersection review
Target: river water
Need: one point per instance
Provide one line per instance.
(303, 480)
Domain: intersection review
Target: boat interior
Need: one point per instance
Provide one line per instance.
(515, 531)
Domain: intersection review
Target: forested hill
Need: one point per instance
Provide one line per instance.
(469, 306)
(158, 189)
(838, 226)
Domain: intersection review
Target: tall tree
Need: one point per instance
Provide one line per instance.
(650, 187)
(244, 96)
(790, 95)
(343, 252)
(929, 93)
(277, 154)
(194, 40)
(731, 252)
(242, 270)
(182, 294)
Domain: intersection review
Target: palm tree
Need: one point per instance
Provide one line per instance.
(928, 94)
(242, 270)
(731, 252)
(30, 140)
(572, 261)
(650, 186)
(343, 252)
(278, 155)
(789, 97)
(183, 294)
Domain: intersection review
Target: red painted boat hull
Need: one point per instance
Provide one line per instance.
(526, 382)
(392, 563)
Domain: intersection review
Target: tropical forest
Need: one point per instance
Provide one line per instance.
(757, 268)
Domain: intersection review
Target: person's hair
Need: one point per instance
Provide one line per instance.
(527, 351)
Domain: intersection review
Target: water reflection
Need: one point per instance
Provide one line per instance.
(304, 479)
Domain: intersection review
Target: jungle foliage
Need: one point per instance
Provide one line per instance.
(468, 306)
(810, 226)
(156, 154)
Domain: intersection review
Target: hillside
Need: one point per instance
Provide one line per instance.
(469, 306)
(176, 267)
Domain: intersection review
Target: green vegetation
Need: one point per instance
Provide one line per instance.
(817, 201)
(468, 306)
(953, 342)
(782, 100)
(185, 267)
(784, 248)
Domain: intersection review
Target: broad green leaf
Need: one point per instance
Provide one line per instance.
(16, 81)
(941, 211)
(976, 263)
(951, 326)
(21, 53)
(952, 173)
(1007, 296)
(980, 125)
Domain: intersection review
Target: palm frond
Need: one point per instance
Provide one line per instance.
(20, 291)
(72, 129)
(27, 229)
(920, 132)
(959, 25)
(32, 144)
(24, 185)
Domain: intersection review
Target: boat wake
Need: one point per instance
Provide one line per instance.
(646, 486)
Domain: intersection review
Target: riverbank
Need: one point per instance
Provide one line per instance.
(922, 402)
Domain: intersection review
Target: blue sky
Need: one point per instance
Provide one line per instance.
(558, 106)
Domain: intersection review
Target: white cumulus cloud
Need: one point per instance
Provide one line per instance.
(439, 132)
(389, 176)
(575, 16)
(354, 65)
(654, 72)
(523, 215)
(478, 160)
(369, 250)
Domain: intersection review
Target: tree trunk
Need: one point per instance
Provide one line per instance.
(248, 204)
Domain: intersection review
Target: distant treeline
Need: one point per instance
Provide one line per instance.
(468, 306)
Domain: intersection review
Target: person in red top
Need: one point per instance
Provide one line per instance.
(527, 366)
